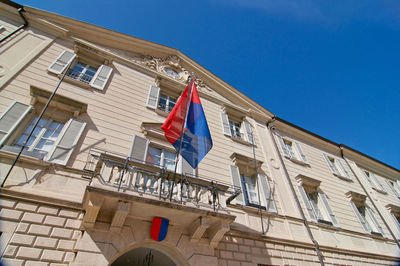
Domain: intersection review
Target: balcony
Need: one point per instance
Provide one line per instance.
(121, 187)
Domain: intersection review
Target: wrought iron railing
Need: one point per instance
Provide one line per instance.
(123, 174)
(79, 76)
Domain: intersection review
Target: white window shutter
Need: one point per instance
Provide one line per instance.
(139, 149)
(266, 189)
(360, 218)
(368, 178)
(396, 222)
(100, 79)
(185, 168)
(376, 180)
(249, 132)
(235, 175)
(61, 63)
(285, 150)
(301, 153)
(152, 98)
(307, 203)
(225, 124)
(330, 164)
(328, 208)
(374, 220)
(66, 142)
(347, 174)
(395, 187)
(11, 118)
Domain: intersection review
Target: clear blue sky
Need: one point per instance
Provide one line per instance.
(331, 66)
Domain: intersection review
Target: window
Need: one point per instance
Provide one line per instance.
(44, 136)
(373, 180)
(82, 72)
(249, 185)
(394, 212)
(237, 128)
(395, 186)
(96, 76)
(315, 201)
(337, 167)
(52, 140)
(292, 150)
(144, 152)
(161, 157)
(161, 100)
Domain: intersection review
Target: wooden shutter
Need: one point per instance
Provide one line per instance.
(11, 118)
(394, 186)
(152, 98)
(374, 220)
(139, 148)
(376, 180)
(61, 63)
(307, 203)
(328, 208)
(285, 150)
(249, 132)
(237, 183)
(330, 164)
(361, 219)
(301, 153)
(346, 174)
(396, 222)
(269, 198)
(368, 178)
(225, 124)
(100, 79)
(66, 142)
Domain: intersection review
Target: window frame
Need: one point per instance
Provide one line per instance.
(395, 186)
(153, 98)
(374, 181)
(237, 128)
(337, 167)
(295, 153)
(162, 156)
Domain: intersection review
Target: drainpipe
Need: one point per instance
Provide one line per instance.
(368, 195)
(316, 245)
(20, 10)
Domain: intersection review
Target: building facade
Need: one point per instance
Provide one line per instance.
(97, 169)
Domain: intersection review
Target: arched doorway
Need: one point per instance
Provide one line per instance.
(144, 256)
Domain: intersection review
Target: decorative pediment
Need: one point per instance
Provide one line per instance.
(356, 197)
(245, 163)
(90, 51)
(307, 181)
(393, 208)
(152, 129)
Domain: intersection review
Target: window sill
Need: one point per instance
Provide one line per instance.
(251, 208)
(325, 222)
(74, 81)
(297, 161)
(9, 152)
(240, 140)
(162, 113)
(380, 191)
(344, 178)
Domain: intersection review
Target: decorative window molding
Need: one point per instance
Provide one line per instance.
(394, 211)
(394, 185)
(337, 167)
(315, 201)
(292, 150)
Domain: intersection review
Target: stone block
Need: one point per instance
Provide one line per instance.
(69, 257)
(36, 263)
(73, 224)
(66, 245)
(7, 203)
(8, 226)
(62, 233)
(12, 262)
(260, 244)
(10, 251)
(40, 230)
(33, 218)
(29, 253)
(226, 254)
(58, 264)
(76, 235)
(244, 249)
(69, 213)
(24, 206)
(53, 220)
(86, 243)
(248, 242)
(48, 210)
(45, 242)
(232, 247)
(22, 228)
(255, 250)
(82, 258)
(23, 240)
(233, 263)
(9, 214)
(239, 256)
(53, 255)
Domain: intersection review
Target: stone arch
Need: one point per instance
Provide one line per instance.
(171, 252)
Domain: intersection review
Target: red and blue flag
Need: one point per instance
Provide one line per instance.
(196, 137)
(159, 228)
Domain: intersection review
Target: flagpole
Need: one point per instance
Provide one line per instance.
(181, 136)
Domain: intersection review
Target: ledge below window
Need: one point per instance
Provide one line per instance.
(240, 141)
(297, 161)
(343, 177)
(35, 158)
(379, 190)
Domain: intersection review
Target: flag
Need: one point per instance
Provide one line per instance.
(159, 228)
(196, 138)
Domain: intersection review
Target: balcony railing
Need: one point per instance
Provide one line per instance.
(79, 76)
(113, 171)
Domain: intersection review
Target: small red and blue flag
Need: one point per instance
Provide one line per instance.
(159, 228)
(196, 137)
